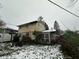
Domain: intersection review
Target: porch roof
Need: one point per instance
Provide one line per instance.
(51, 30)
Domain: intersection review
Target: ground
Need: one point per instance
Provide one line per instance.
(34, 52)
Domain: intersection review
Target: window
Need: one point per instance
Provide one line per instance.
(0, 36)
(46, 36)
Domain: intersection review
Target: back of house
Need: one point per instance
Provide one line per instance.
(29, 28)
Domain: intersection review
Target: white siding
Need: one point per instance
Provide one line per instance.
(5, 37)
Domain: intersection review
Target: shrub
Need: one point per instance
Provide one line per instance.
(72, 37)
(69, 43)
(38, 36)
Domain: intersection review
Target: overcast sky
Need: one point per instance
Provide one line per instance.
(22, 11)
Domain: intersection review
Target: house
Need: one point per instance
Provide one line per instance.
(29, 28)
(49, 36)
(6, 34)
(40, 26)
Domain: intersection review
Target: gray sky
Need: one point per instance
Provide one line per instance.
(22, 11)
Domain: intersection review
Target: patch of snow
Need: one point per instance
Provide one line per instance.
(36, 52)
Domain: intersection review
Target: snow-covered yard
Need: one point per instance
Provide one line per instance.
(35, 52)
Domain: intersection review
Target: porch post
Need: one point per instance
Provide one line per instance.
(49, 37)
(44, 38)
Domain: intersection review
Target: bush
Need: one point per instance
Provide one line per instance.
(68, 48)
(38, 36)
(26, 40)
(72, 37)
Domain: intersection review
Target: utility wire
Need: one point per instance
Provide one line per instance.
(64, 25)
(64, 8)
(66, 11)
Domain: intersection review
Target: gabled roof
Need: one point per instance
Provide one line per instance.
(33, 22)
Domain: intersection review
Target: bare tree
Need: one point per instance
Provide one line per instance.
(2, 23)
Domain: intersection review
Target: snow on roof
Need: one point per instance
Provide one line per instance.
(28, 23)
(7, 27)
(50, 30)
